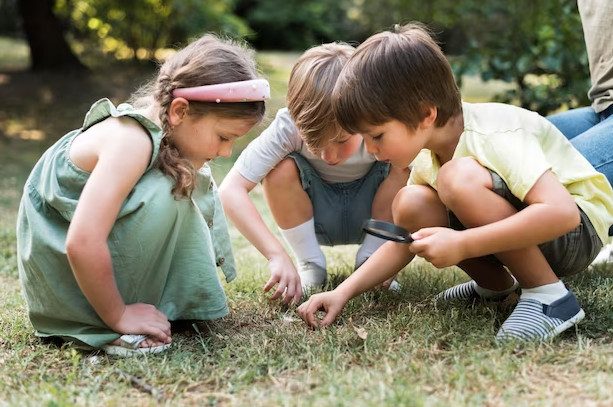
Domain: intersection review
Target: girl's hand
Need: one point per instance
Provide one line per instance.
(442, 247)
(144, 319)
(283, 274)
(330, 302)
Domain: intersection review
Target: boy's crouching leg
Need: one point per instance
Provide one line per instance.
(418, 206)
(466, 188)
(288, 202)
(292, 210)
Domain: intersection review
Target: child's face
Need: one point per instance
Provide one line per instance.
(394, 142)
(203, 138)
(341, 149)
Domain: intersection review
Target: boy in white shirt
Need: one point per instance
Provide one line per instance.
(319, 181)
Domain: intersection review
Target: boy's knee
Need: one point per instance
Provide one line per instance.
(411, 201)
(459, 177)
(284, 173)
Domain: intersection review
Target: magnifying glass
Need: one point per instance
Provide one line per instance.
(387, 231)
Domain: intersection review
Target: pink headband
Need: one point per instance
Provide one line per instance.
(243, 91)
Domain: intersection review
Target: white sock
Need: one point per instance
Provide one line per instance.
(546, 294)
(304, 244)
(369, 246)
(487, 293)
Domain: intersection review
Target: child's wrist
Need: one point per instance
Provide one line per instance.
(274, 249)
(276, 254)
(466, 246)
(344, 293)
(113, 317)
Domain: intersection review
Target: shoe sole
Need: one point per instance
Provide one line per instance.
(117, 350)
(567, 324)
(574, 320)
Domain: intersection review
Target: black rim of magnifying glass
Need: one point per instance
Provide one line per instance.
(387, 231)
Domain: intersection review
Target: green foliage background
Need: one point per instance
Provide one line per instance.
(537, 46)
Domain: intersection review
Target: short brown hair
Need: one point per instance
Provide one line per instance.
(396, 76)
(310, 90)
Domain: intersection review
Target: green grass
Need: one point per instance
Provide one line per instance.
(414, 354)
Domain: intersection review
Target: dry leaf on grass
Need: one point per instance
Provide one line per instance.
(362, 333)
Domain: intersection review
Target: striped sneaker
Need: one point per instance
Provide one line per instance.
(468, 292)
(531, 320)
(464, 291)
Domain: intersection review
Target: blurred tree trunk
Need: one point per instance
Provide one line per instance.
(48, 47)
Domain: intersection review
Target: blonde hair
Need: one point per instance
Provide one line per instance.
(310, 89)
(396, 75)
(206, 61)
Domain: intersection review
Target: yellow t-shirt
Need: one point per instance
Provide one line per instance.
(520, 145)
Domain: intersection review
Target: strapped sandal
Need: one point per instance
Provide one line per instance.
(130, 346)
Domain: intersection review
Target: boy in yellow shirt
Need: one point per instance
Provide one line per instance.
(496, 190)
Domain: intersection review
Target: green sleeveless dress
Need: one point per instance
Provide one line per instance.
(164, 251)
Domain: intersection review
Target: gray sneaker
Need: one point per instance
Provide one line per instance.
(312, 276)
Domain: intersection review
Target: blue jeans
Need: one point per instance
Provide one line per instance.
(591, 133)
(340, 209)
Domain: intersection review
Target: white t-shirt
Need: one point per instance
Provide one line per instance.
(520, 146)
(282, 138)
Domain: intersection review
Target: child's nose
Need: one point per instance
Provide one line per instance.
(329, 155)
(225, 151)
(370, 146)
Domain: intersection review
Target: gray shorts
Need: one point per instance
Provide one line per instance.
(567, 254)
(340, 209)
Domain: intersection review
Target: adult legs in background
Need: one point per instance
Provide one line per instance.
(591, 134)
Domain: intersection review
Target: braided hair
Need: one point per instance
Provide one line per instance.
(208, 60)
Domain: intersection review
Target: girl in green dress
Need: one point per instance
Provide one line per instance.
(120, 229)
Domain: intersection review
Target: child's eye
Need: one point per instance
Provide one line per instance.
(224, 139)
(377, 137)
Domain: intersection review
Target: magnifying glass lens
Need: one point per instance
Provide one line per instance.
(387, 231)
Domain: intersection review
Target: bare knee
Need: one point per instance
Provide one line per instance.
(460, 178)
(284, 174)
(417, 206)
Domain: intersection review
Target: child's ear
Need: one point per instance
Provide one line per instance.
(179, 108)
(430, 113)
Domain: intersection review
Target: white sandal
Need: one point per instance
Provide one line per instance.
(130, 346)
